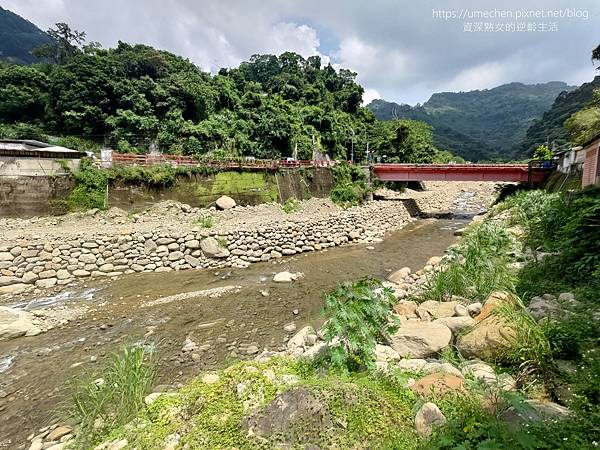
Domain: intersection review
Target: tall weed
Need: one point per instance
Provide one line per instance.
(113, 397)
(476, 267)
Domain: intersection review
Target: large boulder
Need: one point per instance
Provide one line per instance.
(438, 309)
(213, 249)
(535, 411)
(541, 307)
(421, 339)
(15, 323)
(294, 417)
(225, 202)
(456, 324)
(491, 335)
(406, 308)
(494, 300)
(427, 418)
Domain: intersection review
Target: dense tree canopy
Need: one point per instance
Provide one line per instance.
(584, 125)
(133, 96)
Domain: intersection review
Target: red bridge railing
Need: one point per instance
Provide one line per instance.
(461, 172)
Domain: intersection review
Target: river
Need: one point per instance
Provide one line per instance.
(35, 371)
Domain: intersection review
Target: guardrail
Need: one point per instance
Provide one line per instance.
(130, 159)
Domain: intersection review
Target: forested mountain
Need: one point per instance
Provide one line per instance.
(479, 125)
(551, 125)
(18, 37)
(133, 97)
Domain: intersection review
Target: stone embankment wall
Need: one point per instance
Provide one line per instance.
(56, 261)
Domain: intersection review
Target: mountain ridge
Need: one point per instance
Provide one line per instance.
(18, 37)
(486, 124)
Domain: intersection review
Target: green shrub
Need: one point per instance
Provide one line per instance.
(359, 317)
(349, 185)
(476, 267)
(564, 339)
(566, 223)
(471, 426)
(110, 399)
(76, 143)
(90, 189)
(290, 205)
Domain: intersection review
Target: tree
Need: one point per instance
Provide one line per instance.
(23, 94)
(584, 125)
(409, 141)
(542, 153)
(596, 55)
(66, 44)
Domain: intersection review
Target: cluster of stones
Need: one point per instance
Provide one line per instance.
(54, 437)
(46, 264)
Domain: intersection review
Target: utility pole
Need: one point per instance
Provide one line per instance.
(352, 146)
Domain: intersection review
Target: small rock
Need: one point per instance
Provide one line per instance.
(474, 308)
(284, 277)
(58, 432)
(210, 378)
(399, 275)
(290, 327)
(252, 350)
(427, 418)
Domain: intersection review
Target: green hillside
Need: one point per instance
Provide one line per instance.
(18, 37)
(487, 124)
(551, 125)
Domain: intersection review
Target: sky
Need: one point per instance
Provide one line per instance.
(402, 50)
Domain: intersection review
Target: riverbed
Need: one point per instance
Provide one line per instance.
(227, 313)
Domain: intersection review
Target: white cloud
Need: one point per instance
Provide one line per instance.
(483, 76)
(370, 95)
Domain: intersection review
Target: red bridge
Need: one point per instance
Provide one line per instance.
(523, 173)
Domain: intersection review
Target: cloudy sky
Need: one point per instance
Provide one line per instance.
(402, 50)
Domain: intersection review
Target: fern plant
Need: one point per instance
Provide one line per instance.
(359, 318)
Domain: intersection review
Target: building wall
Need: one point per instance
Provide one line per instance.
(590, 166)
(35, 167)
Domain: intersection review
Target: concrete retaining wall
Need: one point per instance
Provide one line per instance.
(27, 196)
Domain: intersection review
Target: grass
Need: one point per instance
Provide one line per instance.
(478, 266)
(107, 400)
(530, 351)
(291, 205)
(205, 221)
(366, 410)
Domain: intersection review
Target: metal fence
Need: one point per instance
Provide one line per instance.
(130, 159)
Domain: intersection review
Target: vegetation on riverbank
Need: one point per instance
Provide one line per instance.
(349, 185)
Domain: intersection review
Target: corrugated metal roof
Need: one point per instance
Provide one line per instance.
(36, 149)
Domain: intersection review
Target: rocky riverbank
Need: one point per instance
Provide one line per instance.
(43, 253)
(270, 400)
